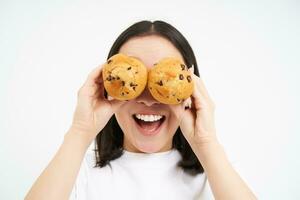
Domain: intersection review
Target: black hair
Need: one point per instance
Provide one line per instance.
(109, 142)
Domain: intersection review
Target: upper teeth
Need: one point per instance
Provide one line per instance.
(148, 118)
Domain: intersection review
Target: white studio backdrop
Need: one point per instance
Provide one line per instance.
(248, 55)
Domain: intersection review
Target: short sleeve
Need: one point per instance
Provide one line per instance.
(206, 192)
(79, 190)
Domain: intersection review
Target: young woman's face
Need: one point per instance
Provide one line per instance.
(156, 136)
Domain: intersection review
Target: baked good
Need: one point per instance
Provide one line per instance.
(124, 77)
(170, 82)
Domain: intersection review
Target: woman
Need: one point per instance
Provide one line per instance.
(184, 160)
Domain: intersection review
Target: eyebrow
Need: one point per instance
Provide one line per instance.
(134, 57)
(158, 61)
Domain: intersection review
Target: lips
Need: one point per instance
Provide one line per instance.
(149, 128)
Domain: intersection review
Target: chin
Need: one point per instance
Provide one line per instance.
(149, 148)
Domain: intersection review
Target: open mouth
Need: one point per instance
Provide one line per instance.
(149, 124)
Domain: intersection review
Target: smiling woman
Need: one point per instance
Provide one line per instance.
(145, 149)
(149, 42)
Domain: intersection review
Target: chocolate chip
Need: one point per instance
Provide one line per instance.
(182, 67)
(109, 78)
(178, 100)
(122, 93)
(132, 84)
(133, 88)
(118, 78)
(109, 61)
(189, 78)
(160, 83)
(129, 68)
(181, 77)
(123, 83)
(136, 72)
(127, 92)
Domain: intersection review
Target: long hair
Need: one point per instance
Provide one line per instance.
(109, 142)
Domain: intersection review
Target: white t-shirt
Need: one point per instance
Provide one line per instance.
(136, 176)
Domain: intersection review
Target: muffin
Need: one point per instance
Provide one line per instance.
(124, 77)
(170, 82)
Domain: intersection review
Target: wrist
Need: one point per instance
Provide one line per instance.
(83, 137)
(208, 147)
(204, 143)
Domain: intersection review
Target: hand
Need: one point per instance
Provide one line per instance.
(197, 124)
(93, 110)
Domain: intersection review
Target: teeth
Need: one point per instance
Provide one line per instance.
(148, 118)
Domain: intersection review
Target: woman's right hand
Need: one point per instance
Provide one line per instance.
(93, 110)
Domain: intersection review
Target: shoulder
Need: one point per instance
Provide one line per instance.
(90, 172)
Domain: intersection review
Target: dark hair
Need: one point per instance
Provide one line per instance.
(109, 142)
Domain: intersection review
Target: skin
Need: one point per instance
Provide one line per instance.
(93, 112)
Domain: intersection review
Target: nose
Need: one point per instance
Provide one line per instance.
(146, 98)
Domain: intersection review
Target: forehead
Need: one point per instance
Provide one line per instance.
(150, 49)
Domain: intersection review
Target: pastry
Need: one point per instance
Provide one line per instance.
(170, 82)
(124, 77)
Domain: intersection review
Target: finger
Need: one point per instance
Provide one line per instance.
(94, 83)
(95, 76)
(109, 98)
(196, 95)
(191, 69)
(190, 103)
(187, 123)
(200, 85)
(199, 100)
(100, 91)
(199, 82)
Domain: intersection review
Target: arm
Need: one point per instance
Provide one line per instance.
(91, 114)
(198, 128)
(57, 180)
(224, 181)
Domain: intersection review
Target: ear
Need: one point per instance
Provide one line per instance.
(191, 69)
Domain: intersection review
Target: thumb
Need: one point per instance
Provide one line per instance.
(187, 123)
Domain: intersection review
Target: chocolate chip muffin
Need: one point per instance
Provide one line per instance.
(170, 82)
(124, 77)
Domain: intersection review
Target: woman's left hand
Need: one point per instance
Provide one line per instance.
(197, 124)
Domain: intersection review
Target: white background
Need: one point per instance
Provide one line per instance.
(248, 55)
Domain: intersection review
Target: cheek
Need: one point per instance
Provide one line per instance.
(122, 116)
(176, 113)
(123, 121)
